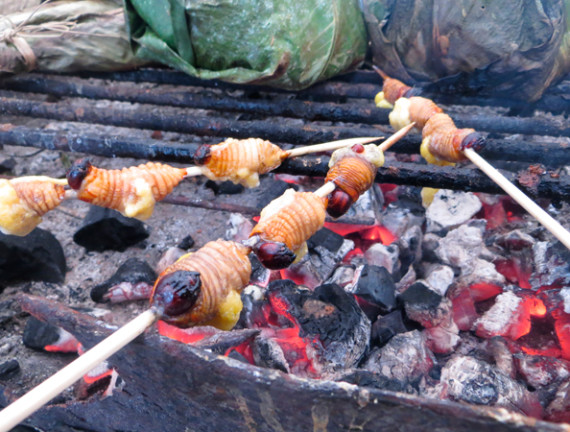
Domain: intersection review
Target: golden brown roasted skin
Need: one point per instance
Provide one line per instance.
(291, 219)
(421, 110)
(443, 139)
(353, 174)
(241, 161)
(224, 270)
(24, 200)
(394, 89)
(132, 191)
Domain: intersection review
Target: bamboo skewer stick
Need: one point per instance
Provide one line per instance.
(47, 390)
(524, 201)
(328, 146)
(325, 189)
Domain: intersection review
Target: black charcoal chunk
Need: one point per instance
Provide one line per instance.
(35, 257)
(225, 187)
(364, 378)
(107, 229)
(388, 326)
(9, 369)
(327, 239)
(186, 243)
(376, 286)
(420, 295)
(267, 353)
(38, 334)
(134, 271)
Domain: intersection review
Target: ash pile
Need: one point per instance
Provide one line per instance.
(465, 301)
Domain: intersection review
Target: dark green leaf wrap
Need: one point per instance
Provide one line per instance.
(283, 43)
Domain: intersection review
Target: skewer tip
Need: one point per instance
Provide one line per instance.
(380, 72)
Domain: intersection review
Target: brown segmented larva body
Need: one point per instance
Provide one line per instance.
(291, 219)
(132, 191)
(446, 141)
(24, 200)
(394, 89)
(241, 161)
(353, 174)
(421, 110)
(224, 267)
(39, 196)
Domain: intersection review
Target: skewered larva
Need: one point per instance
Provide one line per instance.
(203, 287)
(284, 226)
(443, 142)
(132, 191)
(392, 90)
(415, 109)
(240, 161)
(352, 171)
(24, 200)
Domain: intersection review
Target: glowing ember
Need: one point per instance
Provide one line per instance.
(187, 336)
(66, 344)
(562, 328)
(515, 271)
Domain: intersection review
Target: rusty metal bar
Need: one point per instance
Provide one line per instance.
(348, 112)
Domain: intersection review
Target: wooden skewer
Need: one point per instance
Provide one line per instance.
(380, 72)
(332, 145)
(393, 139)
(47, 390)
(194, 171)
(524, 201)
(325, 189)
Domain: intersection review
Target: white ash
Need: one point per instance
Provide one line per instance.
(470, 380)
(398, 219)
(541, 371)
(565, 294)
(444, 338)
(239, 227)
(404, 358)
(502, 356)
(516, 240)
(483, 271)
(257, 293)
(383, 256)
(344, 276)
(406, 281)
(168, 258)
(368, 206)
(450, 209)
(501, 315)
(559, 408)
(439, 278)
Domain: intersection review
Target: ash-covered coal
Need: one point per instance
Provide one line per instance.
(133, 280)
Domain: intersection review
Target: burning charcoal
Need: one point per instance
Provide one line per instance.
(516, 240)
(225, 187)
(443, 338)
(327, 239)
(551, 263)
(376, 287)
(364, 378)
(132, 281)
(186, 243)
(464, 297)
(559, 409)
(384, 256)
(328, 318)
(168, 258)
(238, 356)
(387, 326)
(35, 257)
(450, 209)
(41, 336)
(267, 353)
(368, 206)
(541, 371)
(424, 305)
(439, 278)
(400, 216)
(506, 317)
(406, 281)
(9, 369)
(239, 227)
(429, 246)
(259, 274)
(343, 276)
(502, 356)
(405, 359)
(466, 379)
(100, 379)
(410, 244)
(107, 229)
(253, 299)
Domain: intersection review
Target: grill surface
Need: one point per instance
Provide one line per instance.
(208, 111)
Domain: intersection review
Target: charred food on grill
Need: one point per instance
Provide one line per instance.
(132, 191)
(285, 225)
(24, 200)
(203, 287)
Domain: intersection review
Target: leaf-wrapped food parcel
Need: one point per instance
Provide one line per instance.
(282, 43)
(516, 47)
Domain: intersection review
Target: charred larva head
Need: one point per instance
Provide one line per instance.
(203, 154)
(78, 172)
(339, 203)
(274, 255)
(176, 293)
(474, 140)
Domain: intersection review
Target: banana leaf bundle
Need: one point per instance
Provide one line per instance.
(514, 47)
(66, 36)
(284, 43)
